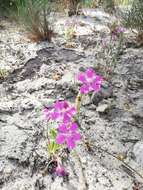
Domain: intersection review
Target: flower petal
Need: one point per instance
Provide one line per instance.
(60, 171)
(73, 126)
(63, 128)
(47, 112)
(84, 89)
(59, 105)
(81, 77)
(55, 115)
(66, 118)
(76, 136)
(90, 73)
(65, 104)
(96, 87)
(60, 139)
(72, 111)
(98, 79)
(70, 143)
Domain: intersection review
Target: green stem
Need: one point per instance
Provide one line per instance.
(78, 102)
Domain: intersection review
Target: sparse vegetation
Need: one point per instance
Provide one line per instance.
(109, 50)
(3, 73)
(133, 18)
(70, 30)
(72, 6)
(88, 82)
(34, 16)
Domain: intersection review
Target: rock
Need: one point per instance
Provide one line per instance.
(16, 144)
(44, 70)
(96, 13)
(20, 185)
(138, 152)
(86, 100)
(68, 78)
(104, 93)
(8, 170)
(138, 108)
(102, 108)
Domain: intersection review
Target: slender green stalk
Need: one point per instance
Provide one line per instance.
(78, 102)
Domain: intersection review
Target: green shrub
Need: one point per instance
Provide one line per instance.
(33, 15)
(89, 3)
(133, 18)
(122, 2)
(72, 6)
(5, 6)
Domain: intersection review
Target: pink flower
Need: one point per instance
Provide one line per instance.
(61, 111)
(120, 29)
(60, 171)
(90, 81)
(117, 31)
(67, 133)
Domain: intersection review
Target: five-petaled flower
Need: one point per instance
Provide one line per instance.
(67, 133)
(90, 81)
(61, 111)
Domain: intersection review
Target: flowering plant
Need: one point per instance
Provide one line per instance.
(109, 50)
(117, 32)
(90, 81)
(66, 133)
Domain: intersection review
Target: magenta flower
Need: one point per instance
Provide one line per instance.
(61, 111)
(67, 133)
(90, 81)
(60, 171)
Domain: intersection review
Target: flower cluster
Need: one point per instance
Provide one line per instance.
(63, 113)
(90, 81)
(60, 111)
(67, 131)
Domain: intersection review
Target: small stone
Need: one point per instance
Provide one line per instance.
(86, 100)
(44, 70)
(84, 160)
(95, 14)
(102, 108)
(105, 93)
(68, 78)
(8, 170)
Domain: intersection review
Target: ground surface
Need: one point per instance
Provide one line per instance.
(41, 73)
